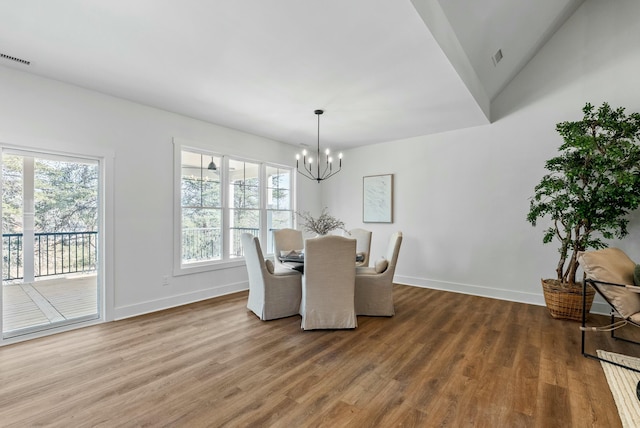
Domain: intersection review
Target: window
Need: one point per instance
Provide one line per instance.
(244, 202)
(279, 207)
(201, 201)
(220, 198)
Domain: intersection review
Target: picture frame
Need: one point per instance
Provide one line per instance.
(377, 198)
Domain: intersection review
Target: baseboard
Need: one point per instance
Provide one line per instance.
(598, 307)
(177, 300)
(601, 308)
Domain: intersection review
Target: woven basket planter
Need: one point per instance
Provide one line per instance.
(565, 302)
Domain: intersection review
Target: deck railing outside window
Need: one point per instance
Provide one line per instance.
(201, 243)
(236, 245)
(54, 254)
(206, 243)
(59, 253)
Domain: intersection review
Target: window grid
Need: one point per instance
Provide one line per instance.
(201, 209)
(212, 220)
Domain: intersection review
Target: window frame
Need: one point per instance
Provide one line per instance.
(227, 261)
(268, 244)
(230, 208)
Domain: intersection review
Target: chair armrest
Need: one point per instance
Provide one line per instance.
(623, 298)
(287, 269)
(609, 283)
(365, 271)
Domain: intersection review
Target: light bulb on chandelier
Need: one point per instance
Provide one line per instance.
(326, 166)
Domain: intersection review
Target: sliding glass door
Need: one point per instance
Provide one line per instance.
(50, 236)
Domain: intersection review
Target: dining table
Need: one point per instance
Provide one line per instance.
(294, 259)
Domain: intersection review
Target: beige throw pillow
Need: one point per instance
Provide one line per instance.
(269, 265)
(381, 265)
(612, 265)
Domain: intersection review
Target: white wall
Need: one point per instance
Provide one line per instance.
(49, 115)
(461, 197)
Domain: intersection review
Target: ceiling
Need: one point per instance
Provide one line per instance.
(381, 69)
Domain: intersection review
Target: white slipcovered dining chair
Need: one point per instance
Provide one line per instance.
(286, 240)
(328, 283)
(363, 244)
(374, 285)
(273, 293)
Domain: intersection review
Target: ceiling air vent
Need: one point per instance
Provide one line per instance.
(497, 57)
(13, 58)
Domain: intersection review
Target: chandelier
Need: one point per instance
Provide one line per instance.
(323, 169)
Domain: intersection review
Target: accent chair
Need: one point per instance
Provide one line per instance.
(286, 240)
(374, 285)
(273, 293)
(328, 283)
(615, 277)
(363, 244)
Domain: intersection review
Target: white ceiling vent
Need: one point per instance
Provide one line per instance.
(13, 58)
(497, 57)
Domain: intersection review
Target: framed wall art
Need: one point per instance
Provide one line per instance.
(377, 198)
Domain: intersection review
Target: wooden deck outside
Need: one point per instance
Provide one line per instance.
(49, 301)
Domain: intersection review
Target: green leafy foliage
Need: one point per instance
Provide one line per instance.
(66, 195)
(591, 186)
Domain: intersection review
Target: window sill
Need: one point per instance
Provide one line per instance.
(208, 266)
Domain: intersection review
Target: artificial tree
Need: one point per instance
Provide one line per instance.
(592, 185)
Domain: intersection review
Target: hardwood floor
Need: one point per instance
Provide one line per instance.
(445, 359)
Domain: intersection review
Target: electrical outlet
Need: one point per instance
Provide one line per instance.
(165, 281)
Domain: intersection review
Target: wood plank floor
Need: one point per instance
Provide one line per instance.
(445, 359)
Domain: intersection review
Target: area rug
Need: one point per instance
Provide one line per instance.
(623, 384)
